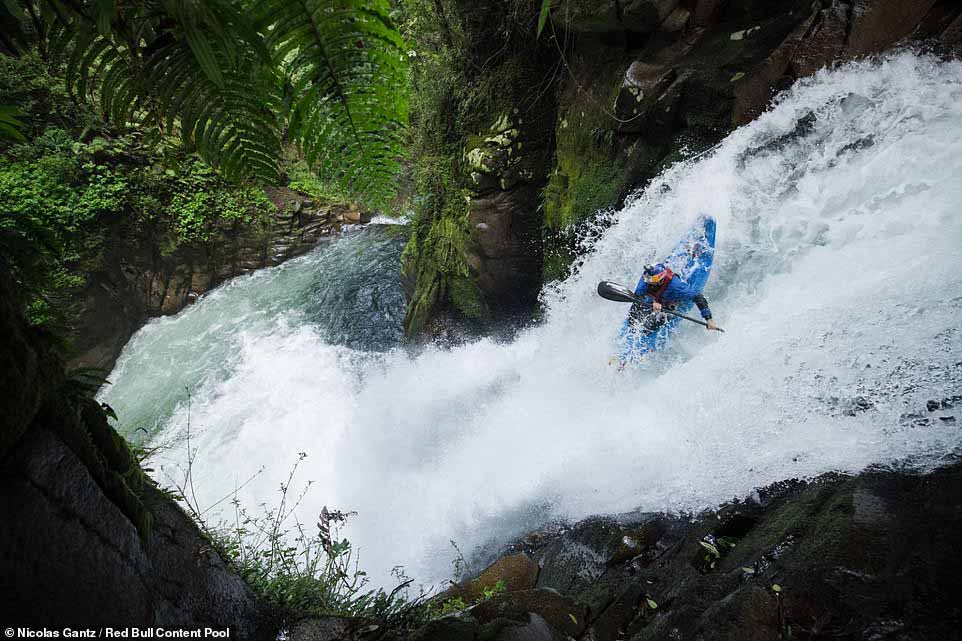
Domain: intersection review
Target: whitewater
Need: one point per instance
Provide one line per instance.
(838, 280)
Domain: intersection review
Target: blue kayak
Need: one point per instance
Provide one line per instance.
(692, 260)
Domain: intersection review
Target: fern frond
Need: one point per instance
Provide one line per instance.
(199, 65)
(214, 70)
(230, 117)
(10, 126)
(347, 67)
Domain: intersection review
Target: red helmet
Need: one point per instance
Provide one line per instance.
(655, 274)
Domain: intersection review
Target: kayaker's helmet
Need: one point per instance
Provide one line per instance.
(655, 274)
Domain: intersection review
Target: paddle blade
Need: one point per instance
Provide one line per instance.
(616, 292)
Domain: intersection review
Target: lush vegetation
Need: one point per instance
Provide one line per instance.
(175, 112)
(294, 568)
(235, 79)
(73, 176)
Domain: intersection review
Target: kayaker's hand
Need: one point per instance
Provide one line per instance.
(656, 306)
(711, 324)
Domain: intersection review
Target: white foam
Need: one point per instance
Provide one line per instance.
(837, 277)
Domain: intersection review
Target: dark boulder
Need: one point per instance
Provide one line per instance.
(560, 612)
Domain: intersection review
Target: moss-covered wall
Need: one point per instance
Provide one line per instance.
(481, 138)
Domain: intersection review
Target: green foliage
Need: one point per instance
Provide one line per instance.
(543, 15)
(42, 97)
(295, 570)
(302, 178)
(345, 62)
(10, 124)
(201, 202)
(233, 82)
(53, 195)
(436, 248)
(444, 607)
(713, 549)
(497, 588)
(64, 188)
(448, 606)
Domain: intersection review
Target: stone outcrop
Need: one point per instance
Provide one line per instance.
(86, 539)
(513, 572)
(138, 280)
(70, 556)
(506, 165)
(483, 153)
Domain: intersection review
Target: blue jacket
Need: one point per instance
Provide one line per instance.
(677, 291)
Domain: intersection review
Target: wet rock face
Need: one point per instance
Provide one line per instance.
(69, 556)
(84, 541)
(865, 557)
(506, 165)
(513, 572)
(651, 83)
(610, 16)
(139, 280)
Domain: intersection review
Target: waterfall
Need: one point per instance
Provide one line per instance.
(838, 279)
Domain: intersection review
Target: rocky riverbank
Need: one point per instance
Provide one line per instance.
(865, 557)
(136, 279)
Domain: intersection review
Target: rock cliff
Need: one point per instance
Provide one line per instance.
(870, 556)
(86, 538)
(137, 279)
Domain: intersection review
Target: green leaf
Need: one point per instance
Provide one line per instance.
(10, 127)
(204, 53)
(13, 7)
(543, 15)
(651, 603)
(776, 588)
(711, 549)
(104, 10)
(348, 92)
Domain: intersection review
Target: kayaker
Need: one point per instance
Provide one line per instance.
(662, 288)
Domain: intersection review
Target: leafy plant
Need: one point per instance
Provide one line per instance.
(543, 15)
(346, 66)
(444, 607)
(10, 125)
(493, 590)
(232, 78)
(712, 550)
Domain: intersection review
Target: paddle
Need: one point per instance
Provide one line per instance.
(621, 294)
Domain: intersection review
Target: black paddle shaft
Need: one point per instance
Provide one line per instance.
(621, 294)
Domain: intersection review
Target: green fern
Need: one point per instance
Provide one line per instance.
(346, 65)
(230, 80)
(10, 126)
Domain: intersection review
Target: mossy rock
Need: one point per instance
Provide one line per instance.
(446, 629)
(561, 613)
(513, 572)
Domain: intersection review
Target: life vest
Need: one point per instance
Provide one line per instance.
(663, 286)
